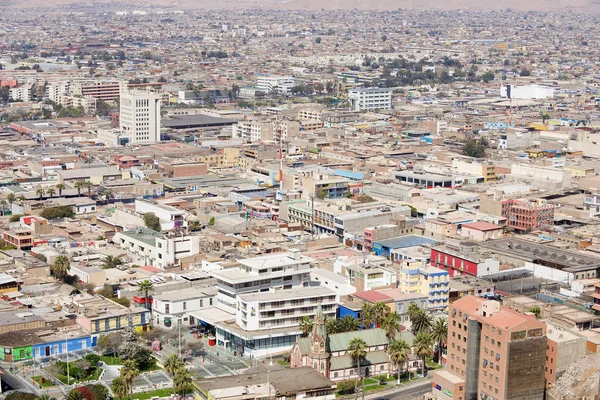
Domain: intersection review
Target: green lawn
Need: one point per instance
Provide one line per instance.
(43, 382)
(284, 363)
(374, 387)
(371, 381)
(148, 395)
(110, 360)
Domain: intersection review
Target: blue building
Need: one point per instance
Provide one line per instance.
(384, 248)
(351, 175)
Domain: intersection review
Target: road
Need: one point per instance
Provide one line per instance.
(410, 391)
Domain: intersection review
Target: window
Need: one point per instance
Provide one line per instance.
(185, 305)
(210, 301)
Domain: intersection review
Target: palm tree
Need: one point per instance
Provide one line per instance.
(399, 350)
(331, 326)
(348, 324)
(144, 287)
(3, 204)
(60, 267)
(367, 315)
(40, 193)
(118, 387)
(51, 192)
(421, 322)
(75, 395)
(391, 325)
(358, 350)
(183, 381)
(439, 335)
(306, 326)
(88, 185)
(11, 198)
(21, 199)
(413, 308)
(111, 262)
(60, 187)
(107, 195)
(172, 365)
(79, 185)
(46, 397)
(422, 344)
(129, 371)
(379, 313)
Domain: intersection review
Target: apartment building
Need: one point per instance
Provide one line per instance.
(565, 347)
(430, 281)
(22, 93)
(283, 309)
(170, 217)
(22, 239)
(140, 117)
(282, 84)
(101, 90)
(493, 353)
(525, 216)
(370, 99)
(255, 131)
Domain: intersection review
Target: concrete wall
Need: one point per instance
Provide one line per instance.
(540, 271)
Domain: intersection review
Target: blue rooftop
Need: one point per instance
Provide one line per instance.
(405, 241)
(349, 174)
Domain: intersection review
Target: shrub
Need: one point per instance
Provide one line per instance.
(58, 212)
(347, 387)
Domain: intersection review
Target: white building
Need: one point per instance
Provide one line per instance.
(157, 249)
(56, 91)
(526, 92)
(171, 308)
(140, 117)
(281, 83)
(370, 99)
(170, 217)
(22, 93)
(283, 309)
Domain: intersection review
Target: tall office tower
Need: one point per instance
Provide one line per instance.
(140, 117)
(493, 353)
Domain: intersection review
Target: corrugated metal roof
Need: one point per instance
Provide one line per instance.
(373, 337)
(372, 358)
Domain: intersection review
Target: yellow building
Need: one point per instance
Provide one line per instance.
(430, 281)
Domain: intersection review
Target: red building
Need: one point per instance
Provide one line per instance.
(463, 260)
(529, 216)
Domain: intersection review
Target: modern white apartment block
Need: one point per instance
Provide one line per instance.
(140, 116)
(273, 272)
(283, 309)
(370, 99)
(170, 217)
(280, 83)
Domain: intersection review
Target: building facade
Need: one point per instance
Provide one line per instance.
(370, 99)
(140, 117)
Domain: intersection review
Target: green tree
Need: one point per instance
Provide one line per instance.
(60, 187)
(473, 148)
(152, 221)
(318, 40)
(306, 326)
(358, 350)
(144, 287)
(380, 312)
(421, 322)
(60, 267)
(172, 365)
(111, 262)
(129, 371)
(11, 197)
(40, 193)
(51, 192)
(211, 221)
(79, 185)
(525, 72)
(367, 315)
(88, 185)
(488, 77)
(422, 344)
(348, 324)
(331, 326)
(537, 311)
(391, 325)
(439, 334)
(413, 309)
(118, 387)
(183, 381)
(399, 351)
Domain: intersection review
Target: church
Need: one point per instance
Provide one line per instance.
(329, 354)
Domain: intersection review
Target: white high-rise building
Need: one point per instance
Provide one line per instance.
(280, 83)
(370, 99)
(140, 117)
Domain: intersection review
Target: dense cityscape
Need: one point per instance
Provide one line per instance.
(261, 204)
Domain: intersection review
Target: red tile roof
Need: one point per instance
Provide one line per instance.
(373, 296)
(482, 226)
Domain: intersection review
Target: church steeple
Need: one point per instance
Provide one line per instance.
(319, 330)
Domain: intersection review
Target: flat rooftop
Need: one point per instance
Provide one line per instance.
(187, 294)
(196, 121)
(406, 241)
